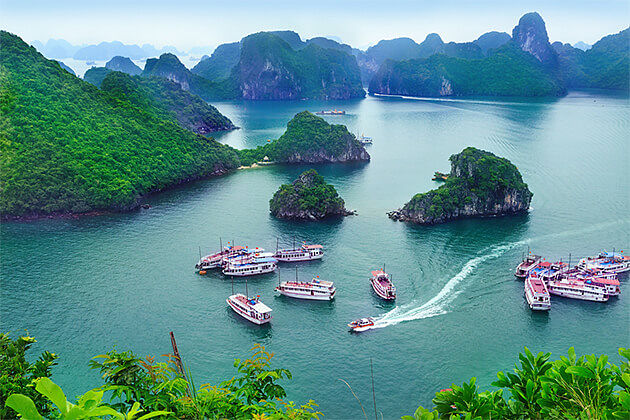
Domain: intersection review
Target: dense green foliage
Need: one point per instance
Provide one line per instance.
(17, 375)
(123, 64)
(143, 388)
(220, 64)
(95, 75)
(168, 66)
(309, 196)
(475, 175)
(306, 135)
(606, 65)
(166, 99)
(491, 40)
(270, 69)
(587, 387)
(507, 72)
(66, 146)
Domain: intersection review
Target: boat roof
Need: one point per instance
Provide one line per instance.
(608, 254)
(545, 264)
(378, 273)
(312, 246)
(260, 307)
(264, 260)
(537, 285)
(602, 280)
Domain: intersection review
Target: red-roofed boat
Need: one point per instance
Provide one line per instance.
(382, 285)
(536, 293)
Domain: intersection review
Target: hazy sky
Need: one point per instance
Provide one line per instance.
(187, 23)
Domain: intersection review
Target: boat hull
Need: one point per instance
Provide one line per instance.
(247, 316)
(306, 296)
(253, 272)
(306, 257)
(379, 291)
(535, 305)
(574, 295)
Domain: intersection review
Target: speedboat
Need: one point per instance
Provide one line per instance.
(362, 324)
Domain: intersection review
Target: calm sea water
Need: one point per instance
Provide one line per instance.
(83, 286)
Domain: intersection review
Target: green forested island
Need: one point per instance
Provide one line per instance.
(309, 197)
(479, 184)
(166, 100)
(309, 139)
(524, 65)
(69, 147)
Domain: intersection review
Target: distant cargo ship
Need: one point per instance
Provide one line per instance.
(331, 112)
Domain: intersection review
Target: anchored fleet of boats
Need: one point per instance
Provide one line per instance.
(593, 278)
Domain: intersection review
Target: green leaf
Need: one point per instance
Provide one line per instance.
(580, 371)
(24, 406)
(154, 414)
(54, 393)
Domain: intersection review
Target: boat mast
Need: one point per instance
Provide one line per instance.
(199, 252)
(220, 245)
(278, 278)
(232, 284)
(277, 242)
(246, 292)
(373, 392)
(569, 260)
(296, 274)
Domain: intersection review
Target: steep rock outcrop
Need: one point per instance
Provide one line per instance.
(531, 36)
(479, 184)
(309, 197)
(123, 64)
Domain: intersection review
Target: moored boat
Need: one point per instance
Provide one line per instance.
(611, 285)
(526, 265)
(251, 267)
(331, 112)
(305, 252)
(382, 285)
(536, 293)
(364, 139)
(315, 289)
(609, 262)
(362, 324)
(215, 260)
(554, 271)
(578, 289)
(252, 309)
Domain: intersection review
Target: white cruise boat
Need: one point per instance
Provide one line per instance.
(578, 289)
(315, 289)
(537, 294)
(554, 271)
(608, 262)
(252, 309)
(303, 253)
(251, 267)
(364, 139)
(611, 285)
(528, 263)
(215, 260)
(382, 285)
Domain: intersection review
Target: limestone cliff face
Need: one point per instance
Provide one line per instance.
(309, 197)
(270, 69)
(531, 36)
(169, 67)
(479, 184)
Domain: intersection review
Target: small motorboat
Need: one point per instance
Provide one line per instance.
(362, 324)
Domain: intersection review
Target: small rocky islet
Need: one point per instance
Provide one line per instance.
(480, 184)
(309, 197)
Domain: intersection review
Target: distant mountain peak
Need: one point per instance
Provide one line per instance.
(581, 45)
(531, 36)
(433, 38)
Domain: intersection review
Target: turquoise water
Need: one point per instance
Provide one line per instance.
(82, 286)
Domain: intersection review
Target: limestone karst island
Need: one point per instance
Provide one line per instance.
(331, 210)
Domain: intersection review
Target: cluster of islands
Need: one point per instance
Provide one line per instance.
(102, 143)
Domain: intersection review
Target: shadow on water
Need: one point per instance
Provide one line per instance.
(258, 332)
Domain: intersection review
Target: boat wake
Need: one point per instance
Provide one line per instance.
(438, 305)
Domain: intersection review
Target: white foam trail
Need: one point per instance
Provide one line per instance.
(439, 303)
